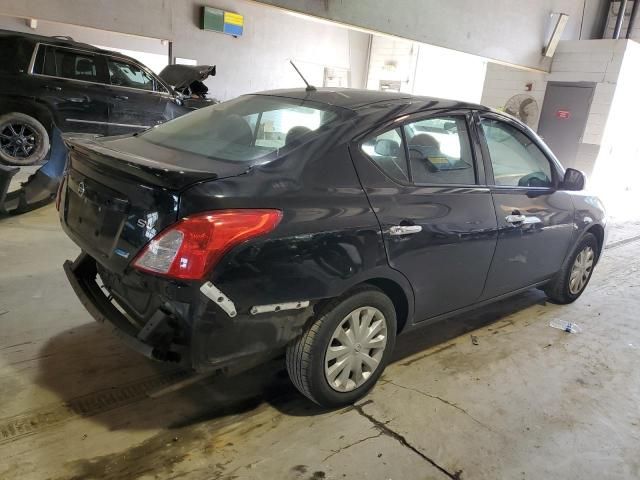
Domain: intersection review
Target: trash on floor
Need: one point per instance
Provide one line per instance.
(568, 327)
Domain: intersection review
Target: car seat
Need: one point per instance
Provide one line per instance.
(295, 133)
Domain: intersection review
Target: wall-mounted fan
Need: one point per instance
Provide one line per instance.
(523, 107)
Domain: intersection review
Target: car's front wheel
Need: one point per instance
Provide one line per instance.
(576, 272)
(23, 139)
(344, 350)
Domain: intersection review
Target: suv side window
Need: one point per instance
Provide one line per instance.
(124, 74)
(440, 151)
(387, 151)
(516, 160)
(67, 63)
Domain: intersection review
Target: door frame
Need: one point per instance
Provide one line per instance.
(402, 120)
(556, 167)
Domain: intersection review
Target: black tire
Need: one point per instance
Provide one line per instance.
(306, 354)
(23, 140)
(558, 290)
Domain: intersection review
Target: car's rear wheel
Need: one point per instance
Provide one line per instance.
(576, 272)
(23, 139)
(344, 350)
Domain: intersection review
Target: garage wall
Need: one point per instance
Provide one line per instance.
(505, 30)
(425, 70)
(256, 61)
(392, 60)
(617, 167)
(503, 82)
(149, 51)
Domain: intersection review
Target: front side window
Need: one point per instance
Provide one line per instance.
(245, 129)
(440, 151)
(124, 74)
(516, 160)
(67, 63)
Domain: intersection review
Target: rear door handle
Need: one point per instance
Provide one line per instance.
(49, 87)
(121, 97)
(397, 230)
(515, 218)
(82, 99)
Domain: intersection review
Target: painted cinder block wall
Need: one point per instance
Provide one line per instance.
(597, 61)
(259, 60)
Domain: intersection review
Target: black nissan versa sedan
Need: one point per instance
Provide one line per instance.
(322, 223)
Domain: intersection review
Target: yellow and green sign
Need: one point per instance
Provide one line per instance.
(217, 20)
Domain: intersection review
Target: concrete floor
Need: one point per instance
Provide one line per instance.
(526, 402)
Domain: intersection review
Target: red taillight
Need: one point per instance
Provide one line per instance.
(59, 194)
(190, 248)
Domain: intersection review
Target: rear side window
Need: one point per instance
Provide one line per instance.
(440, 151)
(516, 160)
(247, 128)
(15, 54)
(432, 151)
(124, 74)
(67, 63)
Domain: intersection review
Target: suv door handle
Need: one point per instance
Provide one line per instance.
(121, 97)
(49, 87)
(397, 230)
(515, 218)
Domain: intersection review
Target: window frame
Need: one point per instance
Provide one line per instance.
(158, 81)
(404, 120)
(557, 172)
(101, 64)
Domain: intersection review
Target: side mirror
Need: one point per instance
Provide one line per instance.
(573, 180)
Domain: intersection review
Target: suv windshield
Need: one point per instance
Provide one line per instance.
(245, 129)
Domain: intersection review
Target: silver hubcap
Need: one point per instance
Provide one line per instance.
(355, 349)
(17, 140)
(581, 270)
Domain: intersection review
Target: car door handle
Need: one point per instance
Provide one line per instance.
(121, 97)
(83, 99)
(49, 87)
(404, 229)
(515, 218)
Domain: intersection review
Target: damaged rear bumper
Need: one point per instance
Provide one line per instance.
(202, 336)
(41, 187)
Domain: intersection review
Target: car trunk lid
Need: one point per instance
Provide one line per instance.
(121, 192)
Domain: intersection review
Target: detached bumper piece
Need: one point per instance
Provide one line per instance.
(41, 187)
(82, 274)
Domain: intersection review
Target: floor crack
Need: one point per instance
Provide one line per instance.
(335, 452)
(446, 402)
(385, 430)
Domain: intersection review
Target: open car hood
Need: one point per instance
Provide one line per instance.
(181, 76)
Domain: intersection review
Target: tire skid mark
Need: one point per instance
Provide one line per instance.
(32, 422)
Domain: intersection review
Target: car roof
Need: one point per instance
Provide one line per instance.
(59, 41)
(355, 99)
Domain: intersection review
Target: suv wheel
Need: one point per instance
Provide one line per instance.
(344, 350)
(576, 272)
(23, 139)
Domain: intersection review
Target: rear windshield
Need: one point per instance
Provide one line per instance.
(245, 129)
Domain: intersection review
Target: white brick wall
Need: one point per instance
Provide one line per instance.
(597, 61)
(503, 82)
